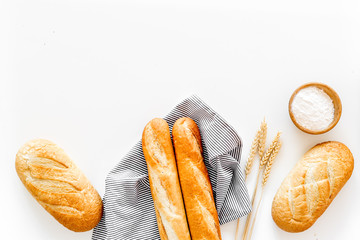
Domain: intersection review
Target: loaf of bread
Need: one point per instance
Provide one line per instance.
(311, 186)
(58, 185)
(194, 180)
(164, 181)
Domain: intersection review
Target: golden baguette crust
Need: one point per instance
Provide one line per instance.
(58, 185)
(164, 181)
(311, 186)
(194, 180)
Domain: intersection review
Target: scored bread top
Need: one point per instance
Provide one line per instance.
(58, 185)
(195, 183)
(311, 186)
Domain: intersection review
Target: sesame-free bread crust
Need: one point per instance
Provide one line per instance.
(164, 181)
(311, 186)
(194, 180)
(58, 185)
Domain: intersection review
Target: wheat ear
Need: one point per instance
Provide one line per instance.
(265, 179)
(262, 138)
(270, 163)
(265, 159)
(271, 148)
(263, 162)
(253, 151)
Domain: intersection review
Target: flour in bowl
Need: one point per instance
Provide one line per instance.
(313, 109)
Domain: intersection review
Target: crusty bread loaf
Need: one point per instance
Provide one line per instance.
(194, 180)
(311, 186)
(58, 185)
(164, 181)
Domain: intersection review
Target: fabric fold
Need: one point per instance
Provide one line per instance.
(128, 207)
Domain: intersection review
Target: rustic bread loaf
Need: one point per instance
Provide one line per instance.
(311, 186)
(58, 185)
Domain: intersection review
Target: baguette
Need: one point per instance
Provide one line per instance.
(164, 181)
(311, 186)
(58, 185)
(194, 180)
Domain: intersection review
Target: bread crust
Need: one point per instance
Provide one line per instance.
(311, 186)
(164, 181)
(58, 185)
(194, 180)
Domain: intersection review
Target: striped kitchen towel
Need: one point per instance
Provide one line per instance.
(128, 207)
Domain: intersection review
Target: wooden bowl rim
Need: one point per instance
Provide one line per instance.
(334, 97)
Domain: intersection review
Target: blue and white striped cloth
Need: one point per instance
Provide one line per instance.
(128, 207)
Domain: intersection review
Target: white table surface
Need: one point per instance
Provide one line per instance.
(90, 74)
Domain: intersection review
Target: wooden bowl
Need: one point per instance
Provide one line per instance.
(336, 101)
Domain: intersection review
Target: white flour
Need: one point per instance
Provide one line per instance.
(313, 109)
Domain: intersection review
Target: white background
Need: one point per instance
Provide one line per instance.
(89, 75)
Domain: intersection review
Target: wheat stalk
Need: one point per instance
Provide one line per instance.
(248, 167)
(268, 159)
(262, 132)
(257, 209)
(266, 175)
(254, 149)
